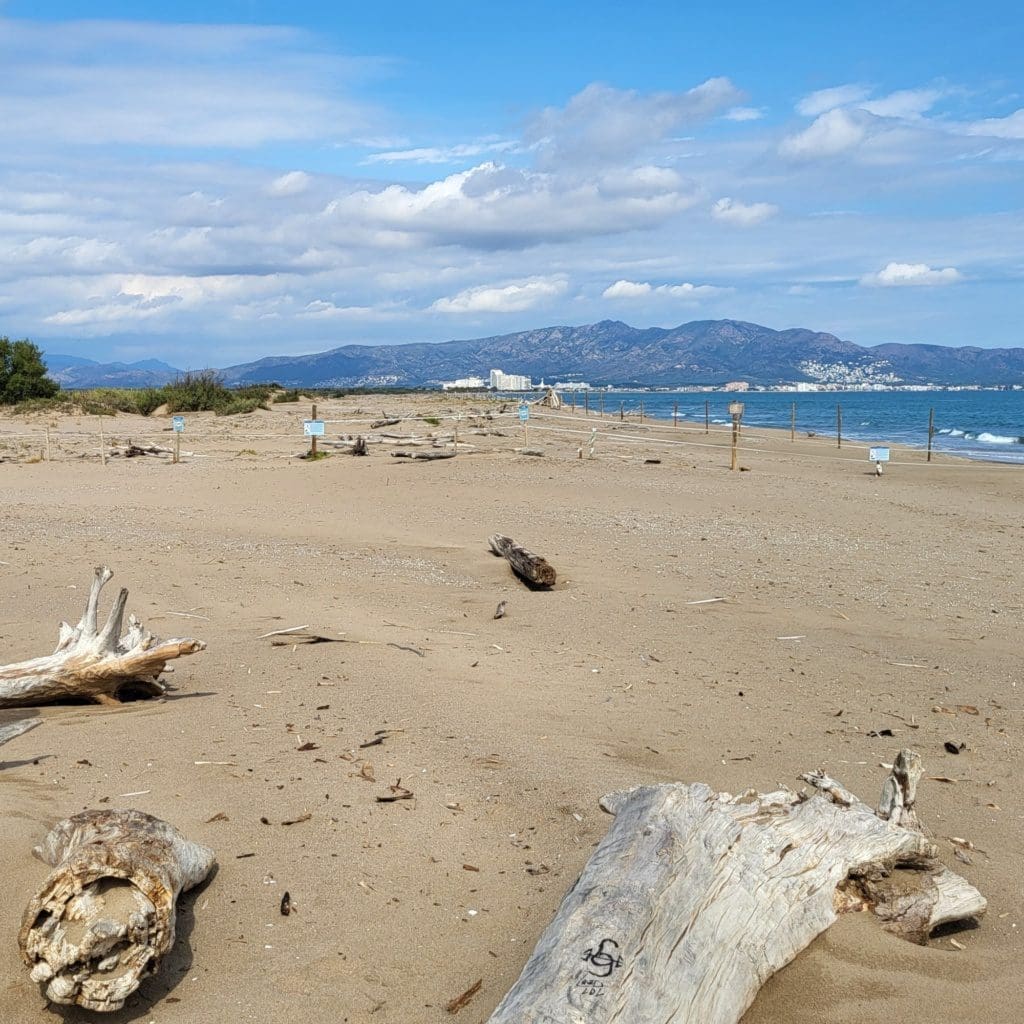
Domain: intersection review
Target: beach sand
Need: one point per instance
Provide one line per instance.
(852, 604)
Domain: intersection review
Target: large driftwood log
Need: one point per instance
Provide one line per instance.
(694, 898)
(94, 664)
(105, 916)
(525, 564)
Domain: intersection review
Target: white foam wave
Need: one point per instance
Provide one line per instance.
(986, 438)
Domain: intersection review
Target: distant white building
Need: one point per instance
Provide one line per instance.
(572, 385)
(501, 381)
(464, 383)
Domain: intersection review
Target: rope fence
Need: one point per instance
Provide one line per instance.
(611, 428)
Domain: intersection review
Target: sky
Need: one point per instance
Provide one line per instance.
(211, 183)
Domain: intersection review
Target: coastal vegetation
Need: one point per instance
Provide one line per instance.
(24, 384)
(23, 373)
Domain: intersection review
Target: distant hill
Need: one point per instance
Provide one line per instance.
(76, 372)
(612, 352)
(609, 352)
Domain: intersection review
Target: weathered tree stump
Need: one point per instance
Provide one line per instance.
(92, 664)
(105, 917)
(525, 564)
(694, 898)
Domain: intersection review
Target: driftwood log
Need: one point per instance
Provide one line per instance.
(423, 456)
(105, 917)
(94, 664)
(694, 898)
(525, 564)
(8, 730)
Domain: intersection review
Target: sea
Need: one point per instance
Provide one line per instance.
(985, 425)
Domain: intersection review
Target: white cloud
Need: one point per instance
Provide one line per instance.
(443, 154)
(509, 298)
(627, 290)
(830, 134)
(895, 275)
(823, 100)
(492, 206)
(321, 309)
(1009, 127)
(93, 83)
(293, 183)
(744, 114)
(641, 289)
(603, 125)
(742, 214)
(906, 103)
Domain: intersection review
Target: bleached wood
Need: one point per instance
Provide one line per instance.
(431, 456)
(9, 730)
(105, 917)
(694, 898)
(94, 664)
(899, 792)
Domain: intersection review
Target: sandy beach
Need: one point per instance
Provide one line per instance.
(851, 604)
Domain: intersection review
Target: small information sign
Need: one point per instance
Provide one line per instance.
(313, 428)
(524, 412)
(178, 424)
(878, 454)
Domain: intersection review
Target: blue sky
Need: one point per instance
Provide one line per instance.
(210, 183)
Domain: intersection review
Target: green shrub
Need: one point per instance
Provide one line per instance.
(23, 373)
(196, 392)
(147, 400)
(239, 406)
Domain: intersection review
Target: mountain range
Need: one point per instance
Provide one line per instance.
(78, 372)
(610, 352)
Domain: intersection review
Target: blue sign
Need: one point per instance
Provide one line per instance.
(178, 424)
(524, 412)
(878, 454)
(313, 428)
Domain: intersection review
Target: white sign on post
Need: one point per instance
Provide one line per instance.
(178, 424)
(878, 454)
(313, 428)
(524, 412)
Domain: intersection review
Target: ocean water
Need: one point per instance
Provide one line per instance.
(975, 424)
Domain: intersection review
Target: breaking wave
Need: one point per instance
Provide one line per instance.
(984, 436)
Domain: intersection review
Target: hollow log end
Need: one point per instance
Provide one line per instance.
(105, 916)
(546, 575)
